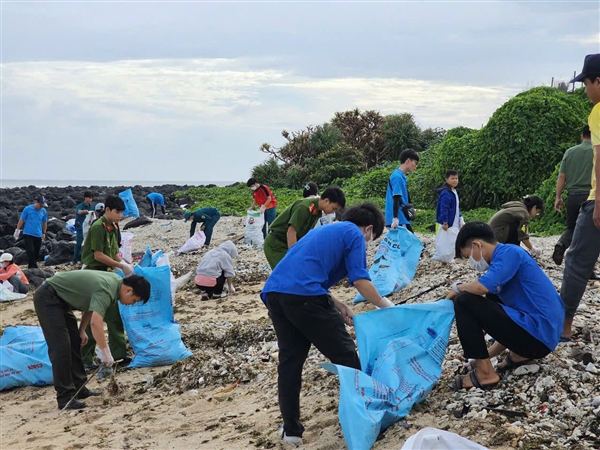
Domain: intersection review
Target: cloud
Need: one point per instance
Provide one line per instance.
(589, 39)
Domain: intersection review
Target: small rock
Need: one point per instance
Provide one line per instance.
(596, 401)
(193, 392)
(591, 368)
(526, 370)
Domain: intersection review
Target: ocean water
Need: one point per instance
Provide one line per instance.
(64, 183)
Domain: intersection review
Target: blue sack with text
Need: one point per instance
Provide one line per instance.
(401, 352)
(131, 208)
(395, 263)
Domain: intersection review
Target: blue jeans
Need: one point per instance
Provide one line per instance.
(270, 215)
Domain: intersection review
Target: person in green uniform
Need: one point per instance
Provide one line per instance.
(101, 252)
(297, 220)
(94, 293)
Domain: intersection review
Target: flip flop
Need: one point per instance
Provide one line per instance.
(564, 339)
(511, 364)
(458, 383)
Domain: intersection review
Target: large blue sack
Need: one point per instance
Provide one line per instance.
(151, 328)
(401, 352)
(395, 263)
(131, 208)
(24, 358)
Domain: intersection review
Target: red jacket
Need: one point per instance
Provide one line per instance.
(260, 196)
(11, 270)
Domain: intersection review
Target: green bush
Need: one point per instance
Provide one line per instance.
(269, 173)
(550, 222)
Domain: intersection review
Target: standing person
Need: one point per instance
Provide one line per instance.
(33, 222)
(575, 174)
(514, 301)
(208, 217)
(396, 194)
(93, 293)
(81, 213)
(156, 199)
(448, 209)
(216, 268)
(511, 223)
(585, 247)
(304, 311)
(297, 220)
(11, 272)
(101, 252)
(264, 198)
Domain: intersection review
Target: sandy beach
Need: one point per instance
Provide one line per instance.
(182, 407)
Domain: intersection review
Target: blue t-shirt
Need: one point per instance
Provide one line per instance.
(527, 294)
(80, 218)
(398, 184)
(320, 260)
(33, 220)
(157, 198)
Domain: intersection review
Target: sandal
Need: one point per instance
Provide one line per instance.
(511, 364)
(204, 297)
(458, 383)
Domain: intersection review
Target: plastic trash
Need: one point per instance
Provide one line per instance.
(434, 439)
(445, 241)
(126, 247)
(194, 243)
(131, 208)
(253, 234)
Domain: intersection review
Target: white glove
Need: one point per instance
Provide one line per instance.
(536, 252)
(395, 223)
(126, 268)
(262, 209)
(17, 234)
(105, 357)
(461, 222)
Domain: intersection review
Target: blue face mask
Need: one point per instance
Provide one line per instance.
(479, 266)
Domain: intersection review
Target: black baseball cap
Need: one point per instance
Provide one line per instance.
(42, 201)
(591, 66)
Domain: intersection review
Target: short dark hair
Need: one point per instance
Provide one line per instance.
(586, 133)
(409, 153)
(451, 173)
(114, 202)
(335, 195)
(592, 77)
(364, 215)
(140, 286)
(88, 194)
(251, 182)
(310, 188)
(473, 230)
(533, 200)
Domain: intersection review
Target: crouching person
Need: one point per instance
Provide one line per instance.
(514, 302)
(12, 273)
(91, 292)
(214, 269)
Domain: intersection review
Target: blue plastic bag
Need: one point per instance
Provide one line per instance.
(24, 359)
(131, 208)
(146, 260)
(151, 328)
(401, 352)
(395, 263)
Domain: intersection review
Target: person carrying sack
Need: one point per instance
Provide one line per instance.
(397, 192)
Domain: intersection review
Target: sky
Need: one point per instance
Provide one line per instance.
(184, 91)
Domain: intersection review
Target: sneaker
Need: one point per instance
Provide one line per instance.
(85, 393)
(558, 254)
(75, 404)
(293, 440)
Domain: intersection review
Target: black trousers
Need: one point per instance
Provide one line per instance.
(300, 321)
(513, 234)
(32, 247)
(64, 344)
(216, 289)
(476, 314)
(574, 202)
(153, 206)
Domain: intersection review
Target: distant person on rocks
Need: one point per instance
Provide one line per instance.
(310, 190)
(98, 212)
(304, 311)
(448, 207)
(297, 220)
(93, 293)
(514, 302)
(33, 222)
(585, 247)
(208, 217)
(155, 199)
(216, 268)
(575, 175)
(264, 198)
(81, 213)
(13, 274)
(397, 191)
(101, 252)
(511, 223)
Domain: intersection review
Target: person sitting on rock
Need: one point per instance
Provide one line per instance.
(156, 199)
(12, 273)
(514, 302)
(208, 217)
(214, 269)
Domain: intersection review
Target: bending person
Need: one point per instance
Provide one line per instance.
(156, 199)
(215, 268)
(208, 217)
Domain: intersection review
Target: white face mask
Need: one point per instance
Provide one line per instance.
(254, 187)
(370, 238)
(479, 266)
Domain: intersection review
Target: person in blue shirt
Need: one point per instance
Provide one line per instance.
(447, 215)
(81, 213)
(156, 199)
(33, 222)
(396, 194)
(514, 302)
(304, 311)
(208, 217)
